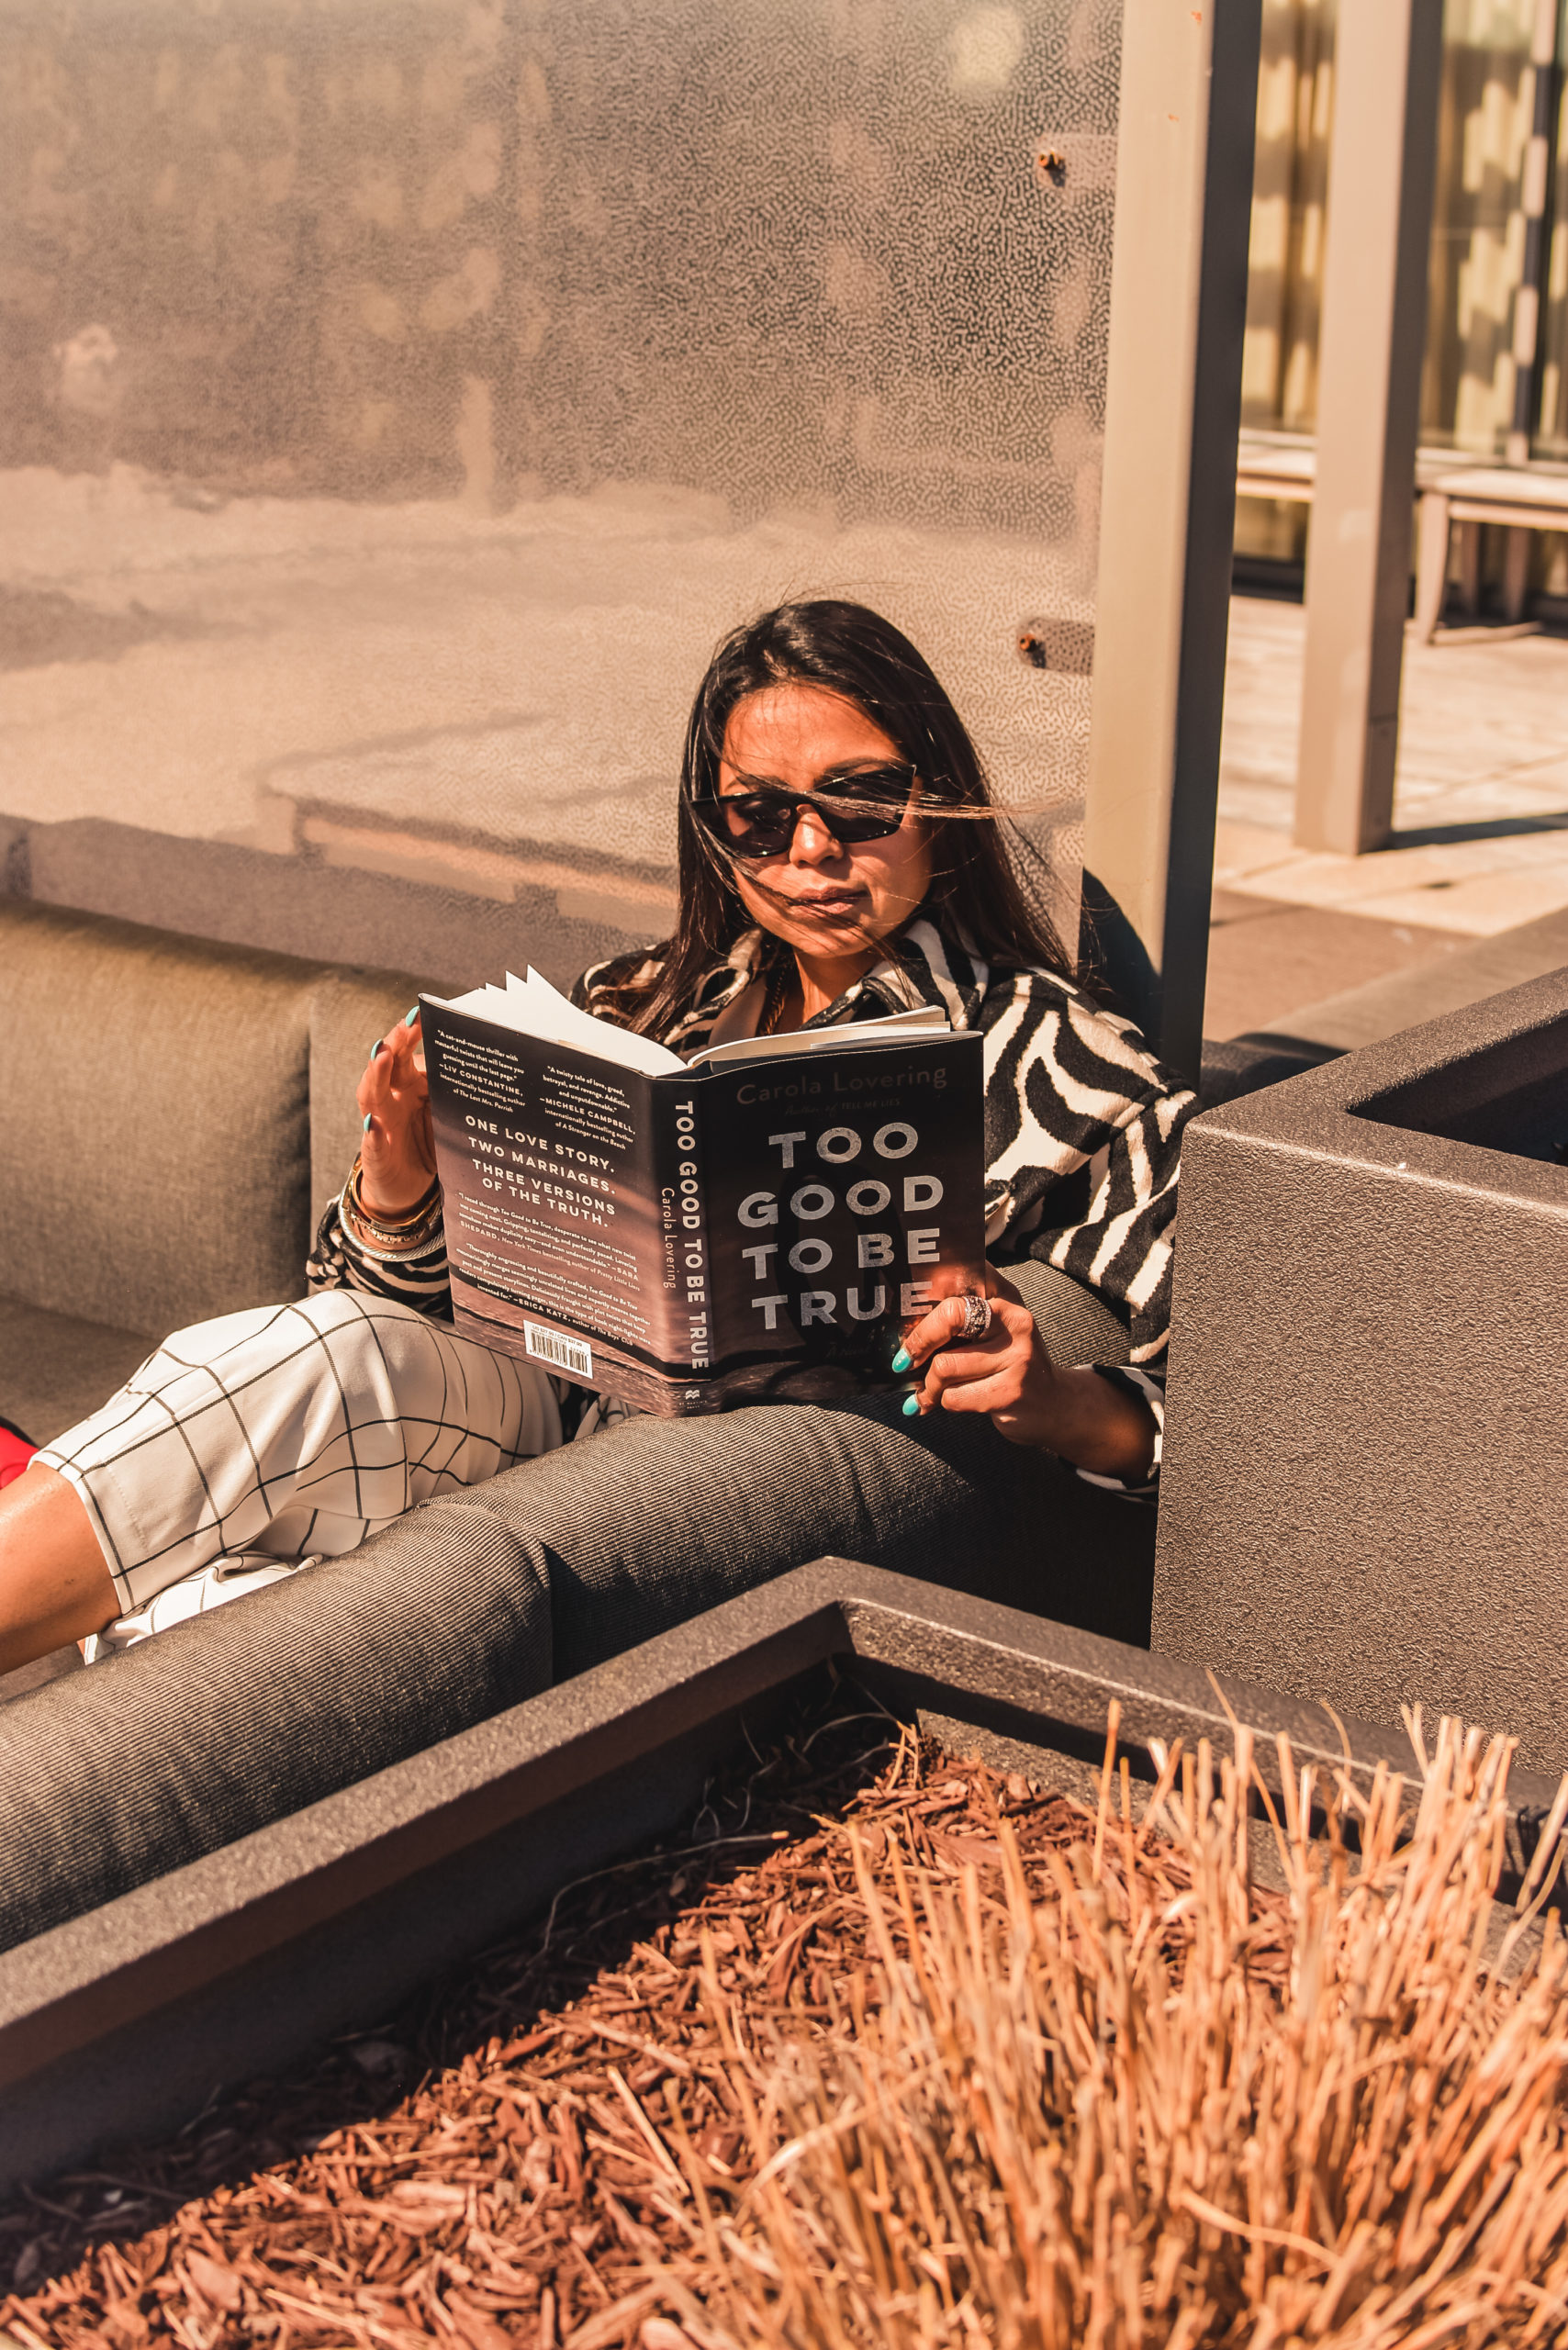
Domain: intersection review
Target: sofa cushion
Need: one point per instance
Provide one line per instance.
(55, 1369)
(155, 1149)
(242, 1716)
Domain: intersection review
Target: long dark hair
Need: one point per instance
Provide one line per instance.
(982, 884)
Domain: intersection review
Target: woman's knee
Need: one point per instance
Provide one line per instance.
(288, 1331)
(286, 1373)
(478, 1408)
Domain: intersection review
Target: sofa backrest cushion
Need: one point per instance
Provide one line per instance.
(154, 1119)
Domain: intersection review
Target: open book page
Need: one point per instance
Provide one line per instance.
(533, 1008)
(925, 1019)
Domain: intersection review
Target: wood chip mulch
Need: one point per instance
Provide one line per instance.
(498, 2163)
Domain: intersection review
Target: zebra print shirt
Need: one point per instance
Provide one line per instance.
(1082, 1136)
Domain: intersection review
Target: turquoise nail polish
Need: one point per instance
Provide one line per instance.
(369, 1122)
(911, 1406)
(410, 1017)
(376, 1048)
(902, 1359)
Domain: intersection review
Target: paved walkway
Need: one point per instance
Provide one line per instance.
(1268, 957)
(1482, 805)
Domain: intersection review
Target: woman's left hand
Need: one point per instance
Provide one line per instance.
(1009, 1376)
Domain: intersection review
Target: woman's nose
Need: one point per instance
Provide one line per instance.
(813, 843)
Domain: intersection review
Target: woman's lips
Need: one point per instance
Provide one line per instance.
(847, 902)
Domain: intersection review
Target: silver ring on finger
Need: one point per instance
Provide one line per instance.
(977, 1315)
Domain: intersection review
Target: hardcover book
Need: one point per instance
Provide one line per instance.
(766, 1220)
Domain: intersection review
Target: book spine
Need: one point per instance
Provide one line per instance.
(684, 1200)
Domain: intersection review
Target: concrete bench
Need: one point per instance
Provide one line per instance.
(1521, 501)
(1284, 466)
(1278, 469)
(1399, 999)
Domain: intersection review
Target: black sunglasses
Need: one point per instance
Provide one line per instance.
(761, 821)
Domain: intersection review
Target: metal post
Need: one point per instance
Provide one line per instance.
(1380, 166)
(1173, 407)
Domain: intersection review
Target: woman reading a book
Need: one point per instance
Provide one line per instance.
(839, 861)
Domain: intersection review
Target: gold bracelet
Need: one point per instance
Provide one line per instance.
(396, 1243)
(393, 1231)
(421, 1206)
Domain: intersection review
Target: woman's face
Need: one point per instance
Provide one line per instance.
(829, 900)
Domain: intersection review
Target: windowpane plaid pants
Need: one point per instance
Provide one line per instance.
(246, 1445)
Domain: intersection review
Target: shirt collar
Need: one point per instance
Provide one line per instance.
(927, 970)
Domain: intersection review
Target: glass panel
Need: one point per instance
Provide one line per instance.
(1478, 231)
(1285, 278)
(1478, 227)
(400, 399)
(1552, 434)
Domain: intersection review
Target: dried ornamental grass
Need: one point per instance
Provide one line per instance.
(466, 2169)
(892, 2048)
(1111, 2118)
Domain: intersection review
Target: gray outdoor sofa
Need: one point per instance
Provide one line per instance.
(175, 1113)
(178, 1112)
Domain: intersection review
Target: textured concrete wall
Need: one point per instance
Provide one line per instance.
(1367, 1491)
(397, 401)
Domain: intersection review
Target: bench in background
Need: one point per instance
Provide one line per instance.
(1519, 502)
(1449, 496)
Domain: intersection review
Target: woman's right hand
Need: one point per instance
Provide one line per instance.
(396, 1151)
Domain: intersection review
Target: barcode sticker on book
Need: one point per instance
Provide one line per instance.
(566, 1354)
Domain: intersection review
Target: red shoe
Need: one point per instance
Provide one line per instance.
(16, 1451)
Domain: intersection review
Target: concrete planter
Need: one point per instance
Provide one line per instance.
(121, 2022)
(1366, 1495)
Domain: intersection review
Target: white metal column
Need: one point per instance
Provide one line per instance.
(1177, 309)
(1382, 159)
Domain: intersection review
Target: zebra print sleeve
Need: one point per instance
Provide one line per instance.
(1084, 1145)
(416, 1277)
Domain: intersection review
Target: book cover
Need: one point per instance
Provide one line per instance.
(766, 1224)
